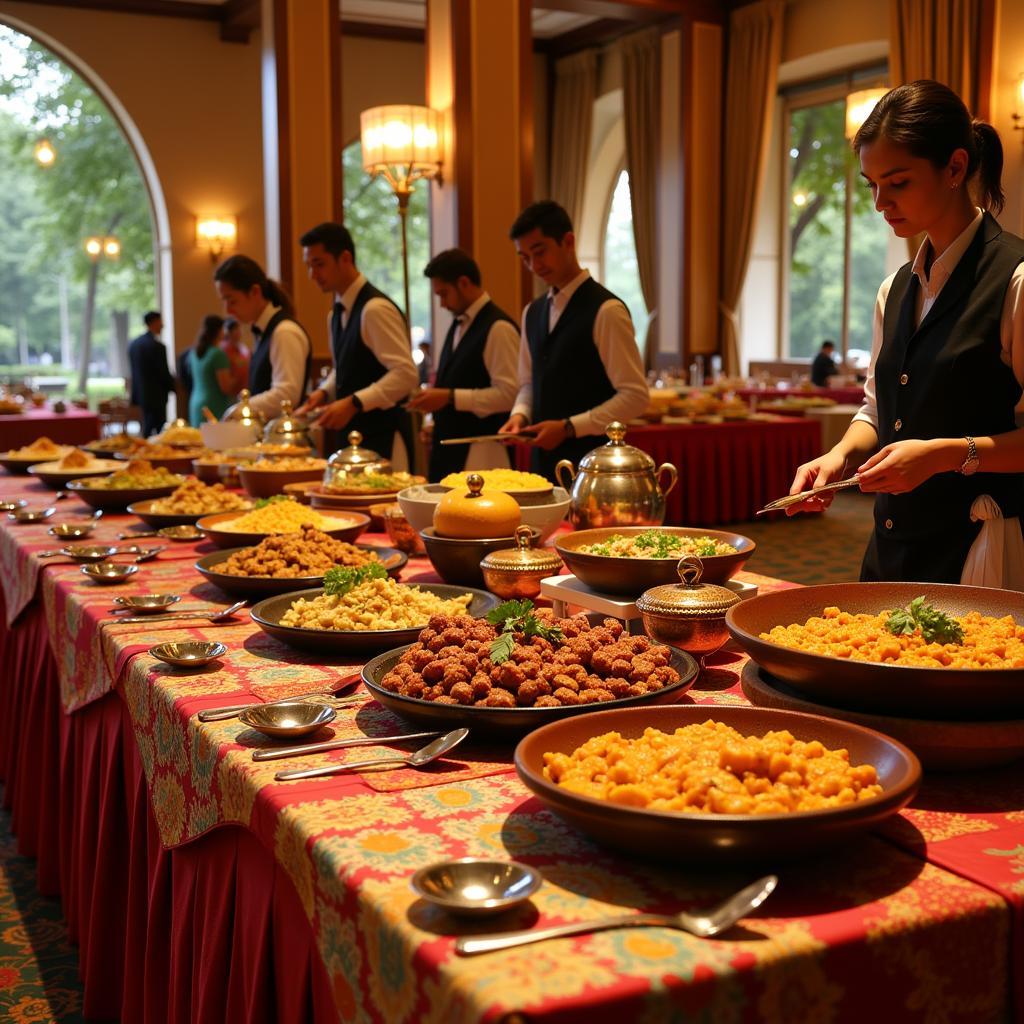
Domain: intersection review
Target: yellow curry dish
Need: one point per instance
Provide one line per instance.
(500, 480)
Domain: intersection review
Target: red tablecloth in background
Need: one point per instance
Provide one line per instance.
(852, 395)
(76, 426)
(727, 471)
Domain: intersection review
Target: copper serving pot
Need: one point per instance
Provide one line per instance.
(517, 572)
(616, 485)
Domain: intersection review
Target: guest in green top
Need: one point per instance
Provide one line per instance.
(211, 373)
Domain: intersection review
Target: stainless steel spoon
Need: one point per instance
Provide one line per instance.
(316, 748)
(213, 616)
(717, 919)
(148, 554)
(421, 757)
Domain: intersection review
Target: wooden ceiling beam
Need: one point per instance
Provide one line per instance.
(238, 19)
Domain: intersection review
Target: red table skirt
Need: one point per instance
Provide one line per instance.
(210, 931)
(727, 471)
(76, 426)
(850, 395)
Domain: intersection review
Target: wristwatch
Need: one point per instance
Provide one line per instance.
(357, 402)
(972, 462)
(570, 430)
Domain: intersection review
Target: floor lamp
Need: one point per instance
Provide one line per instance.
(402, 144)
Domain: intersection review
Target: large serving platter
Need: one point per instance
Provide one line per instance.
(392, 559)
(117, 499)
(719, 838)
(175, 463)
(53, 476)
(268, 614)
(946, 693)
(144, 510)
(507, 722)
(351, 524)
(18, 465)
(633, 576)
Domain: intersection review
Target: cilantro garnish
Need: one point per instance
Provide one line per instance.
(276, 499)
(341, 579)
(517, 617)
(934, 625)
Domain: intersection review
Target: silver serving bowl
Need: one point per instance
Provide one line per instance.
(30, 515)
(71, 531)
(189, 653)
(108, 572)
(288, 720)
(475, 887)
(144, 603)
(184, 532)
(12, 506)
(88, 552)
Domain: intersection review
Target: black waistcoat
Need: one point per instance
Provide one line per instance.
(356, 367)
(568, 375)
(261, 372)
(464, 368)
(944, 379)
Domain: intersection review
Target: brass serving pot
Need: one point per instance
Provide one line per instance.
(517, 572)
(690, 614)
(287, 428)
(616, 485)
(353, 461)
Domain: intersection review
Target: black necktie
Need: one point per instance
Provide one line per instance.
(339, 311)
(257, 333)
(449, 344)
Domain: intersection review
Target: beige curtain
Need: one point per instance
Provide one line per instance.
(755, 43)
(575, 92)
(641, 88)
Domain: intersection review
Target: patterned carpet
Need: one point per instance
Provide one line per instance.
(38, 968)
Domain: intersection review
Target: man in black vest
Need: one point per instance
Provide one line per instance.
(373, 366)
(476, 377)
(579, 364)
(151, 377)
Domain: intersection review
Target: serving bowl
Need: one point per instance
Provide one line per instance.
(117, 499)
(12, 504)
(261, 482)
(613, 575)
(144, 510)
(266, 586)
(30, 515)
(474, 887)
(146, 604)
(507, 722)
(351, 525)
(175, 463)
(268, 614)
(54, 477)
(949, 693)
(108, 572)
(71, 531)
(524, 497)
(457, 560)
(88, 552)
(719, 838)
(287, 719)
(189, 653)
(18, 465)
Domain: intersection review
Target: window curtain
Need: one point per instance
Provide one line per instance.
(641, 89)
(755, 44)
(575, 92)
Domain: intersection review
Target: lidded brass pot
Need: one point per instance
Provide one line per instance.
(353, 461)
(287, 429)
(689, 615)
(616, 485)
(246, 415)
(517, 572)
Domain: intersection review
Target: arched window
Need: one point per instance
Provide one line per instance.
(618, 256)
(371, 214)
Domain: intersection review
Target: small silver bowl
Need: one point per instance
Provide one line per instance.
(189, 653)
(108, 572)
(12, 506)
(288, 720)
(474, 887)
(144, 603)
(71, 531)
(88, 552)
(30, 515)
(185, 532)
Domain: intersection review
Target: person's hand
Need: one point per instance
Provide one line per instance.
(316, 399)
(427, 432)
(816, 473)
(336, 415)
(548, 434)
(429, 400)
(904, 465)
(514, 424)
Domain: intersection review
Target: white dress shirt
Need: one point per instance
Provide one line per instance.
(289, 350)
(386, 335)
(501, 350)
(617, 347)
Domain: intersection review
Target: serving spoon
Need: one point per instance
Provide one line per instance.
(220, 616)
(423, 756)
(717, 919)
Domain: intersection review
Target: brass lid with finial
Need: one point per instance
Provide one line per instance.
(616, 456)
(245, 413)
(688, 599)
(287, 428)
(356, 459)
(524, 557)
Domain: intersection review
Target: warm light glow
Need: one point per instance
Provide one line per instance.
(94, 246)
(859, 105)
(799, 198)
(403, 137)
(1020, 92)
(111, 248)
(108, 247)
(44, 153)
(215, 234)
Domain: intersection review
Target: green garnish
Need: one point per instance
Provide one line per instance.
(706, 547)
(658, 543)
(517, 617)
(935, 626)
(341, 579)
(264, 502)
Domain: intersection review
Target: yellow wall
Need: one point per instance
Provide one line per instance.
(378, 71)
(812, 26)
(1009, 64)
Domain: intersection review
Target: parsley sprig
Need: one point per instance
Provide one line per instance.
(935, 626)
(658, 543)
(341, 579)
(517, 617)
(275, 500)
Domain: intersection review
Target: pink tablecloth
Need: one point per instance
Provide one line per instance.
(76, 426)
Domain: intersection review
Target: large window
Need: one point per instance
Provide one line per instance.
(618, 258)
(371, 214)
(836, 242)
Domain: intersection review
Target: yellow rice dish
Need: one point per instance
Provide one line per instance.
(712, 768)
(501, 480)
(987, 642)
(281, 517)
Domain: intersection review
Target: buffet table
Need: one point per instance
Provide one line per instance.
(727, 471)
(76, 426)
(852, 394)
(197, 888)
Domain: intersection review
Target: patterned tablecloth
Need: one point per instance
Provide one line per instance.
(926, 915)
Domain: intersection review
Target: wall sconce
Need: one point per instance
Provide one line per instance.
(1018, 103)
(44, 153)
(108, 248)
(215, 235)
(402, 144)
(859, 105)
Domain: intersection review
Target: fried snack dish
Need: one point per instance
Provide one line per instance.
(500, 480)
(138, 475)
(372, 605)
(295, 556)
(657, 544)
(712, 768)
(194, 497)
(181, 436)
(287, 464)
(989, 643)
(120, 443)
(76, 459)
(42, 448)
(451, 664)
(286, 516)
(166, 451)
(280, 449)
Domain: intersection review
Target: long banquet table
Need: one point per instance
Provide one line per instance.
(199, 889)
(76, 426)
(727, 471)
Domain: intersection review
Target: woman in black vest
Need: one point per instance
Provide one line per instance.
(937, 433)
(280, 361)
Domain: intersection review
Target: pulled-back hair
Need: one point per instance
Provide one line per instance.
(547, 215)
(209, 332)
(931, 121)
(242, 272)
(450, 265)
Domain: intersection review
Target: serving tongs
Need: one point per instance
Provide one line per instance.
(796, 499)
(520, 438)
